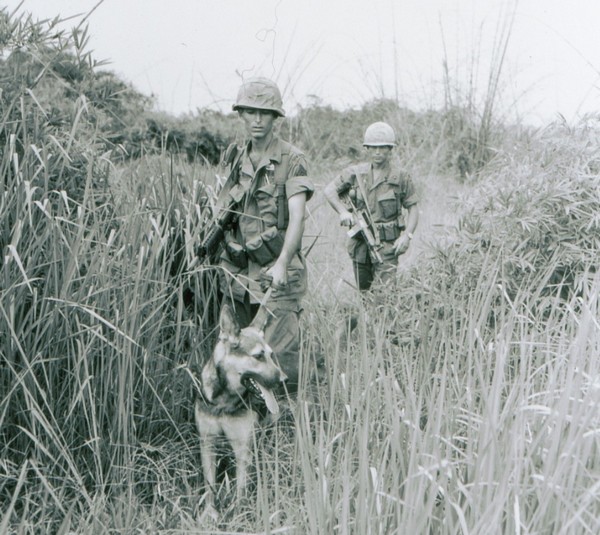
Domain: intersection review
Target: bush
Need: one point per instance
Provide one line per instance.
(528, 231)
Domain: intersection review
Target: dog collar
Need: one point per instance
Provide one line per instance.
(218, 407)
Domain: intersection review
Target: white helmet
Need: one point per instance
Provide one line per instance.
(379, 135)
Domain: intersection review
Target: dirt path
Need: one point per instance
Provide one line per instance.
(438, 210)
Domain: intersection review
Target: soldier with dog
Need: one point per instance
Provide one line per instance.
(266, 193)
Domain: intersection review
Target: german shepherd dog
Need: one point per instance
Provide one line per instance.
(241, 369)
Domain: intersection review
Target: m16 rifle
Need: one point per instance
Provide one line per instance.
(216, 233)
(226, 216)
(362, 225)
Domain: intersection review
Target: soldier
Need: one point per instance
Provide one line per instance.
(387, 195)
(268, 178)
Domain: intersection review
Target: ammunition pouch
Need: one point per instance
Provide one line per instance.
(236, 253)
(265, 248)
(388, 231)
(388, 205)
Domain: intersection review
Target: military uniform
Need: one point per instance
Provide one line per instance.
(386, 200)
(254, 243)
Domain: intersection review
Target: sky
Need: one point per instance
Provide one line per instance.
(192, 54)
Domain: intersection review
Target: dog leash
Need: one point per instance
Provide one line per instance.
(262, 315)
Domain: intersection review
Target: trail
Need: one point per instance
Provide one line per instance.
(439, 210)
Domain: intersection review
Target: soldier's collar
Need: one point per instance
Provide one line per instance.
(273, 153)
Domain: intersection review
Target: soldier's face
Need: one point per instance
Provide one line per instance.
(379, 156)
(259, 123)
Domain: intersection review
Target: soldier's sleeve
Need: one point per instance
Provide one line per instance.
(298, 181)
(410, 197)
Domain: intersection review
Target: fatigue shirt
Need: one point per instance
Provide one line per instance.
(385, 199)
(258, 216)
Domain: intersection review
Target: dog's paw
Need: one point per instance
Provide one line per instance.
(209, 516)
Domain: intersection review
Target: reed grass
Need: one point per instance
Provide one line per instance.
(465, 401)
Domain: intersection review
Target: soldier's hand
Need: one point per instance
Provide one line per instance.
(278, 276)
(401, 244)
(345, 218)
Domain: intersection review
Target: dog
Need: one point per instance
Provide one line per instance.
(240, 372)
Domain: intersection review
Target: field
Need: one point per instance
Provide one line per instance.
(466, 401)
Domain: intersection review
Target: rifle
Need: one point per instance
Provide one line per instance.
(362, 224)
(216, 233)
(226, 216)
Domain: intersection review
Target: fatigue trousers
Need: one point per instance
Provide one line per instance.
(365, 273)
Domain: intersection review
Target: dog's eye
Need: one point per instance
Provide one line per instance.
(260, 356)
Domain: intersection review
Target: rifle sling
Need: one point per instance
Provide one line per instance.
(281, 172)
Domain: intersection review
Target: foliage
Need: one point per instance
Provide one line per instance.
(198, 137)
(53, 99)
(436, 141)
(91, 311)
(465, 401)
(67, 84)
(535, 213)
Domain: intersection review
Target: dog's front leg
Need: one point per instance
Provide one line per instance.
(209, 462)
(240, 438)
(209, 470)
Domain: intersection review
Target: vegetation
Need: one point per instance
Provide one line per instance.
(466, 402)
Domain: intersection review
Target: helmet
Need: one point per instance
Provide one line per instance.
(260, 94)
(379, 135)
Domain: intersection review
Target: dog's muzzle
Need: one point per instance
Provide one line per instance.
(261, 392)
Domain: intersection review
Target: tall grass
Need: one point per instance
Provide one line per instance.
(92, 311)
(472, 119)
(444, 421)
(465, 402)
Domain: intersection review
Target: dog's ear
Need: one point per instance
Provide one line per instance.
(228, 324)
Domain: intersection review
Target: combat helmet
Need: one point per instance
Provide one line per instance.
(379, 134)
(261, 94)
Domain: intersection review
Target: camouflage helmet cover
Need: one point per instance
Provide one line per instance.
(261, 94)
(379, 134)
